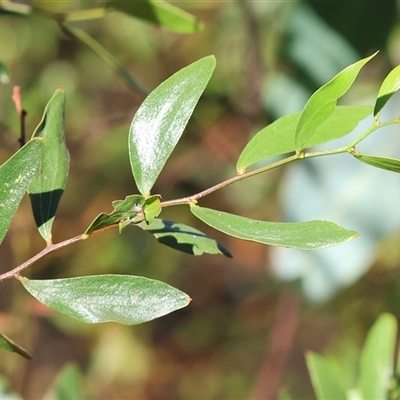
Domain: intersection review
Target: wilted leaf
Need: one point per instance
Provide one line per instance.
(126, 299)
(159, 13)
(323, 102)
(183, 238)
(15, 176)
(389, 87)
(279, 137)
(159, 122)
(301, 235)
(7, 344)
(50, 178)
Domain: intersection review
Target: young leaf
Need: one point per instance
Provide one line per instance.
(183, 238)
(160, 120)
(323, 102)
(4, 74)
(377, 358)
(126, 299)
(15, 176)
(279, 137)
(50, 179)
(389, 87)
(302, 235)
(390, 164)
(7, 344)
(326, 385)
(133, 209)
(159, 13)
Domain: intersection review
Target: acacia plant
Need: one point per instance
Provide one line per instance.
(40, 168)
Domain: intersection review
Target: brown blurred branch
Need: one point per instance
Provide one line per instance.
(281, 342)
(17, 99)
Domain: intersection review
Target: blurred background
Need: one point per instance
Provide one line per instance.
(253, 317)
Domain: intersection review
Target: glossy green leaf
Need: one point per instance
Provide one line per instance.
(15, 176)
(377, 358)
(389, 87)
(128, 210)
(7, 344)
(50, 179)
(159, 122)
(279, 137)
(94, 45)
(126, 299)
(66, 385)
(325, 384)
(323, 102)
(390, 164)
(159, 13)
(301, 235)
(4, 74)
(183, 238)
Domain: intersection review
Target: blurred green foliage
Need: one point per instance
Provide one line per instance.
(271, 56)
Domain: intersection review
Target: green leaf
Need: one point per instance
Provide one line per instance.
(183, 238)
(301, 235)
(126, 299)
(389, 87)
(377, 358)
(15, 176)
(95, 46)
(159, 122)
(323, 102)
(50, 179)
(279, 137)
(325, 384)
(4, 74)
(390, 164)
(159, 13)
(66, 385)
(7, 344)
(133, 209)
(14, 8)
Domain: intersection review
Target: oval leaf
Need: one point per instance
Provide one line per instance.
(326, 385)
(4, 74)
(15, 176)
(323, 102)
(390, 164)
(279, 137)
(303, 235)
(183, 238)
(160, 120)
(50, 179)
(377, 358)
(126, 299)
(7, 344)
(389, 87)
(159, 13)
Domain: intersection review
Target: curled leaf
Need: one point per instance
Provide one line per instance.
(183, 238)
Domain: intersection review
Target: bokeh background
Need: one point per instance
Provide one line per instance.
(253, 317)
